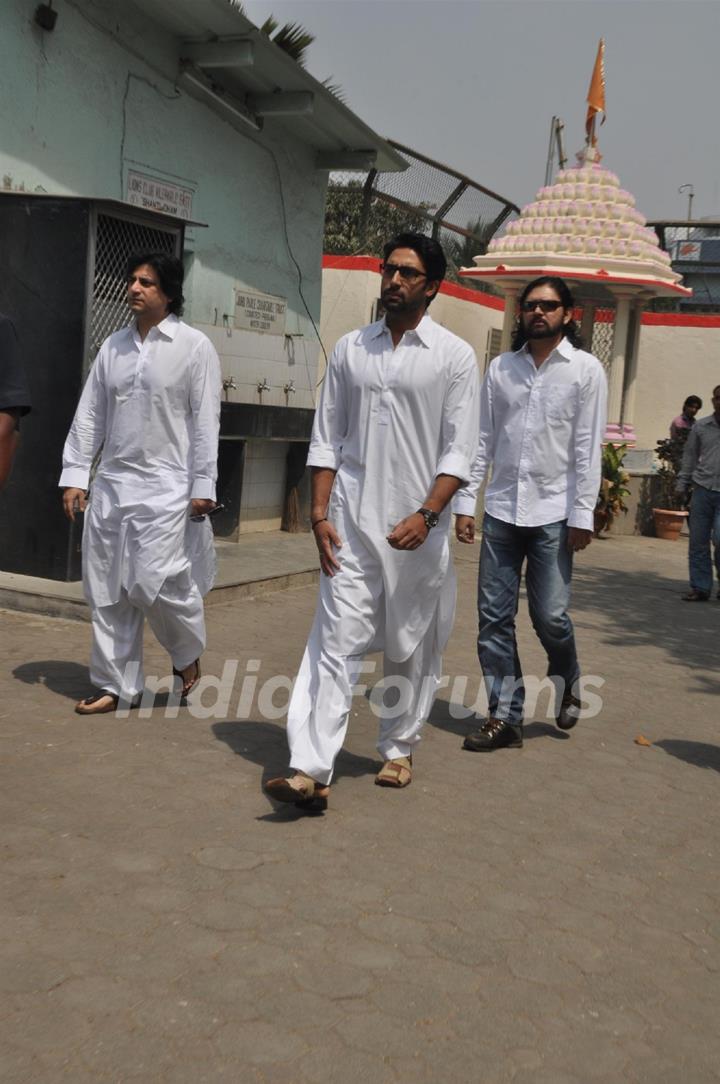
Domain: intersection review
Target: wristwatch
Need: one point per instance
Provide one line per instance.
(431, 518)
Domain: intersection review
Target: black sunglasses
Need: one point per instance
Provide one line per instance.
(409, 274)
(544, 306)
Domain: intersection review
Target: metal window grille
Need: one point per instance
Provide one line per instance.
(602, 337)
(115, 241)
(492, 349)
(365, 209)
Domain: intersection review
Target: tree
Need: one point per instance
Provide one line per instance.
(460, 250)
(344, 234)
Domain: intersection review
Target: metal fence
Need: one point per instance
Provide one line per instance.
(694, 248)
(365, 209)
(116, 239)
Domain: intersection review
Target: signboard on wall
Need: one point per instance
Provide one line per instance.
(155, 194)
(260, 312)
(687, 250)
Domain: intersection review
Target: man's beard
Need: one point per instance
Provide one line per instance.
(541, 331)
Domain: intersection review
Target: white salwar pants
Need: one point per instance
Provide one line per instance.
(349, 622)
(176, 617)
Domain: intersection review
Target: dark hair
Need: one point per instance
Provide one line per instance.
(693, 400)
(561, 288)
(169, 270)
(429, 251)
(716, 389)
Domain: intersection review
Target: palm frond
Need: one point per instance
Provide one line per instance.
(334, 89)
(293, 39)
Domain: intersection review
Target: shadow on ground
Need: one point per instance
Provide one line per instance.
(646, 610)
(59, 675)
(700, 753)
(265, 744)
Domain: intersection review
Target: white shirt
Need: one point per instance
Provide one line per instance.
(389, 421)
(153, 406)
(541, 430)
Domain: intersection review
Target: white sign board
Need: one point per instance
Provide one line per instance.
(260, 312)
(155, 194)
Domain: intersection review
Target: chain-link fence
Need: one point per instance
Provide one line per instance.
(365, 209)
(116, 239)
(694, 248)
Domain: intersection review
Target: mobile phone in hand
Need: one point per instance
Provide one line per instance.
(213, 512)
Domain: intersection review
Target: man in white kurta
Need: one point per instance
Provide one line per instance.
(151, 405)
(395, 433)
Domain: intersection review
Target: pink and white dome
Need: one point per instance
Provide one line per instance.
(583, 220)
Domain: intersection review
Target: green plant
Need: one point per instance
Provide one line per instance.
(669, 451)
(613, 483)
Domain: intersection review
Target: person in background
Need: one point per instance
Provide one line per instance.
(680, 426)
(701, 467)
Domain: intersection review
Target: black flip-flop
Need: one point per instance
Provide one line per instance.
(87, 706)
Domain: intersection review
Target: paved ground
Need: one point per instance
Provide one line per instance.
(541, 916)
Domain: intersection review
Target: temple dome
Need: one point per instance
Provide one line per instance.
(584, 221)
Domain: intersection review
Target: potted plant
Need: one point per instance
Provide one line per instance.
(670, 514)
(613, 487)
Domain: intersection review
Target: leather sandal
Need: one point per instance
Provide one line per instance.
(98, 704)
(695, 596)
(300, 790)
(188, 684)
(395, 773)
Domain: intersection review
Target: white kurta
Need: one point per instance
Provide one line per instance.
(154, 408)
(388, 422)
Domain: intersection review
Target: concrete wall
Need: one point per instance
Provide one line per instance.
(263, 486)
(351, 288)
(97, 97)
(679, 356)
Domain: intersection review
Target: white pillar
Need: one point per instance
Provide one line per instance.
(627, 415)
(617, 363)
(511, 296)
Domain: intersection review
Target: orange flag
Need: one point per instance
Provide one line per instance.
(596, 93)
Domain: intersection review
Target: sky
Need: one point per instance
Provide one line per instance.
(475, 84)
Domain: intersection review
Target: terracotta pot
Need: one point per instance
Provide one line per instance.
(668, 523)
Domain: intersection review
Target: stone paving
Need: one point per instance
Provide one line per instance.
(538, 916)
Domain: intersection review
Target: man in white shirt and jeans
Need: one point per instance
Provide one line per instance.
(542, 421)
(151, 408)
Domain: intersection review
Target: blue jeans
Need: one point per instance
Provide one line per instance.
(704, 528)
(549, 570)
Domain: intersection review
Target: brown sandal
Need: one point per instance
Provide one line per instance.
(308, 795)
(93, 705)
(395, 773)
(188, 684)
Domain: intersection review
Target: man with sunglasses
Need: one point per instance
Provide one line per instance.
(395, 435)
(542, 421)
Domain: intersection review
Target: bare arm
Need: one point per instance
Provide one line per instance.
(326, 537)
